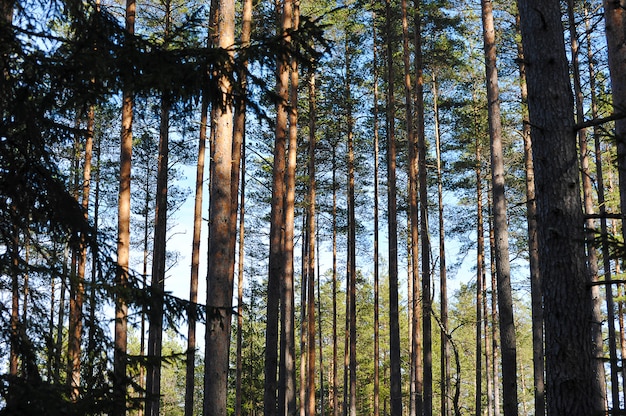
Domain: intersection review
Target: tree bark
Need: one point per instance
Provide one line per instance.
(533, 248)
(195, 259)
(480, 275)
(587, 188)
(287, 374)
(155, 333)
(123, 227)
(311, 257)
(500, 227)
(445, 381)
(567, 304)
(239, 136)
(415, 397)
(219, 276)
(376, 225)
(394, 318)
(276, 254)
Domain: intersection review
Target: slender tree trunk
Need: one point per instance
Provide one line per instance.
(13, 393)
(219, 276)
(567, 305)
(533, 249)
(424, 237)
(415, 398)
(276, 255)
(312, 258)
(597, 318)
(615, 24)
(493, 336)
(240, 276)
(155, 335)
(503, 269)
(444, 385)
(123, 230)
(303, 312)
(351, 289)
(195, 260)
(480, 272)
(78, 286)
(376, 225)
(319, 311)
(287, 382)
(394, 326)
(603, 221)
(335, 388)
(239, 153)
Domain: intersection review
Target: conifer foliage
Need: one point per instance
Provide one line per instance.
(347, 179)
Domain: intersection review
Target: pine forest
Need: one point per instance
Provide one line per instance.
(296, 207)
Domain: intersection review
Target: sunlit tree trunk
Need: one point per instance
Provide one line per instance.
(415, 397)
(195, 259)
(533, 249)
(240, 282)
(394, 326)
(567, 304)
(376, 225)
(239, 159)
(287, 382)
(588, 204)
(219, 276)
(505, 298)
(303, 312)
(335, 387)
(311, 258)
(276, 254)
(444, 385)
(480, 272)
(606, 258)
(123, 230)
(615, 24)
(155, 335)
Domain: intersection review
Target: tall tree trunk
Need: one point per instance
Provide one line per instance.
(424, 237)
(155, 334)
(335, 387)
(219, 276)
(303, 312)
(444, 385)
(567, 305)
(287, 374)
(596, 300)
(77, 286)
(533, 248)
(159, 254)
(615, 24)
(394, 318)
(13, 393)
(239, 153)
(240, 276)
(195, 260)
(606, 258)
(415, 397)
(351, 232)
(480, 272)
(277, 238)
(319, 314)
(376, 225)
(493, 336)
(123, 231)
(503, 268)
(311, 266)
